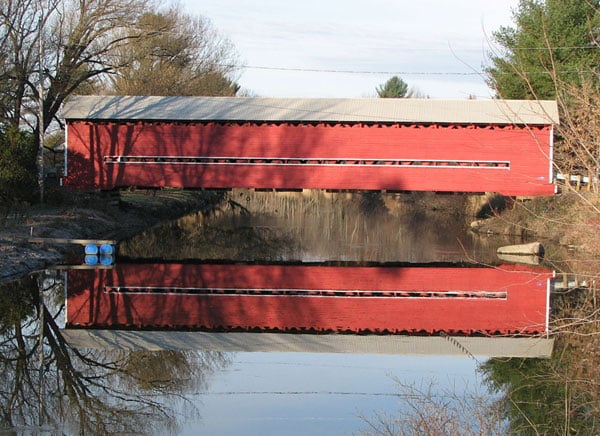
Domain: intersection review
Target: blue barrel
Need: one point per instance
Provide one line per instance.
(91, 259)
(106, 260)
(106, 249)
(91, 249)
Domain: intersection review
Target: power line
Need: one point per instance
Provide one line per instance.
(399, 73)
(326, 70)
(590, 46)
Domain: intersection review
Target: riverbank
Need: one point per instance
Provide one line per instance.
(569, 220)
(569, 223)
(87, 216)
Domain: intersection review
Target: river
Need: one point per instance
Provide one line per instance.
(302, 313)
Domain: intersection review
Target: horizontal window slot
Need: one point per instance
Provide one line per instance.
(272, 161)
(452, 295)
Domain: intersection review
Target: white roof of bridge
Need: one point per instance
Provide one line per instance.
(385, 110)
(306, 343)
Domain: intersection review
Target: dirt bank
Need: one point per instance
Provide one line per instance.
(567, 224)
(86, 216)
(571, 219)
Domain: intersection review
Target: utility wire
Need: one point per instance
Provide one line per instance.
(400, 73)
(325, 70)
(592, 45)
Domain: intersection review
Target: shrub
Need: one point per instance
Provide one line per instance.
(18, 176)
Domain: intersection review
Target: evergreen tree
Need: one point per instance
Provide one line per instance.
(17, 166)
(395, 87)
(552, 42)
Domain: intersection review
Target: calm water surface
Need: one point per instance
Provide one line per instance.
(194, 330)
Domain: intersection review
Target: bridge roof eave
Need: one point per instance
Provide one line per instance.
(330, 110)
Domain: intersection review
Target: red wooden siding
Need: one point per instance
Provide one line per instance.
(512, 160)
(503, 300)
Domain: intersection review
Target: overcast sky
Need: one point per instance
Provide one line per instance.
(436, 46)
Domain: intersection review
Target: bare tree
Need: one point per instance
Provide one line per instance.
(78, 39)
(428, 409)
(180, 55)
(578, 147)
(88, 391)
(50, 49)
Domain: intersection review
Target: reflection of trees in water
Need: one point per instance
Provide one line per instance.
(316, 225)
(529, 396)
(431, 409)
(543, 396)
(227, 233)
(560, 395)
(88, 391)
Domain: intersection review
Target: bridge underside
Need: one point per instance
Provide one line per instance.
(511, 160)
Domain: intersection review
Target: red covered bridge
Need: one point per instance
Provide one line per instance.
(309, 298)
(500, 146)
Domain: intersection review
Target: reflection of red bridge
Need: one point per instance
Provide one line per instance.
(302, 298)
(361, 144)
